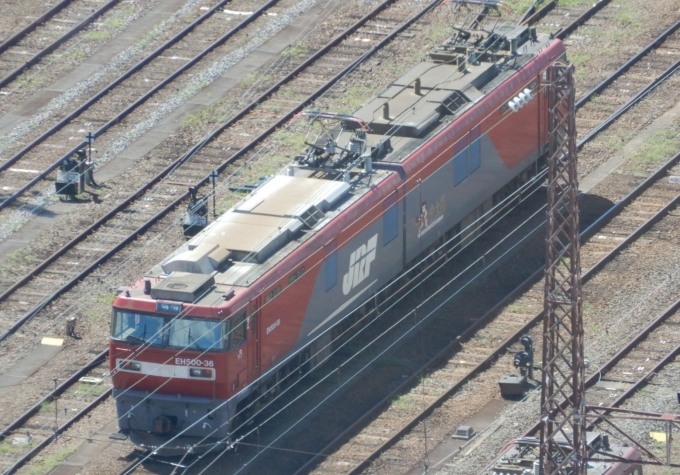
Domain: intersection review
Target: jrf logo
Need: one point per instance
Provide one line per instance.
(359, 265)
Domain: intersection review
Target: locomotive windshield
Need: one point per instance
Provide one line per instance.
(160, 331)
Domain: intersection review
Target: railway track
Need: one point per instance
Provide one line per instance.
(507, 327)
(64, 261)
(48, 32)
(209, 154)
(189, 176)
(564, 20)
(29, 294)
(45, 421)
(105, 111)
(471, 353)
(636, 364)
(653, 204)
(633, 367)
(660, 59)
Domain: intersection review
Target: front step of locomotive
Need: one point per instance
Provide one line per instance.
(152, 422)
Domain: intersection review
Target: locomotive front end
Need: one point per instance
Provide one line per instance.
(169, 366)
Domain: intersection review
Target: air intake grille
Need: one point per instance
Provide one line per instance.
(312, 216)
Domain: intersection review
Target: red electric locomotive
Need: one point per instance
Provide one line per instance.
(216, 324)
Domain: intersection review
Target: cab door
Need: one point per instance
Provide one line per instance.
(254, 323)
(238, 351)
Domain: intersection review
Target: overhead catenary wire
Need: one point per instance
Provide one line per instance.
(508, 198)
(481, 218)
(264, 148)
(410, 329)
(382, 334)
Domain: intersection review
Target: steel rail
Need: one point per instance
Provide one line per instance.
(282, 121)
(531, 10)
(97, 224)
(630, 103)
(44, 443)
(626, 200)
(625, 66)
(585, 16)
(99, 261)
(147, 186)
(538, 14)
(598, 224)
(18, 422)
(12, 40)
(502, 348)
(49, 49)
(603, 219)
(137, 67)
(437, 359)
(639, 338)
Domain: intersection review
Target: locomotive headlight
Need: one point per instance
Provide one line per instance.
(129, 365)
(200, 373)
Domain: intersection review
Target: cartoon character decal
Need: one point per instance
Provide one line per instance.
(430, 217)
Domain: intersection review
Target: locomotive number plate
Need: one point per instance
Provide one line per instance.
(190, 362)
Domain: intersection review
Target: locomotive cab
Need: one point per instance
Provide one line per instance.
(173, 370)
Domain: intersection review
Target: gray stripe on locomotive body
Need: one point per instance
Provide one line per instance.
(459, 201)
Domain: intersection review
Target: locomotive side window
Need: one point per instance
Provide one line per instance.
(238, 331)
(460, 161)
(460, 167)
(296, 275)
(475, 149)
(331, 270)
(272, 294)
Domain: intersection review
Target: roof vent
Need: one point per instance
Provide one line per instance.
(203, 258)
(312, 216)
(182, 286)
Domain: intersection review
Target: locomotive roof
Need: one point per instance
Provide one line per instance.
(286, 210)
(436, 91)
(257, 233)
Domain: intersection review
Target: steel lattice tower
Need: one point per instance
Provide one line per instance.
(563, 364)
